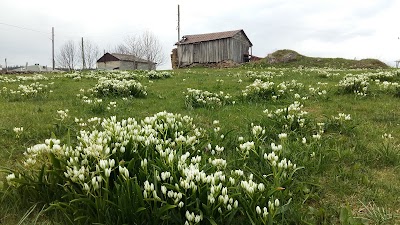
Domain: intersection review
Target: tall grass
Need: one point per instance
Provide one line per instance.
(318, 122)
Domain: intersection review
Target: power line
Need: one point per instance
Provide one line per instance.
(24, 28)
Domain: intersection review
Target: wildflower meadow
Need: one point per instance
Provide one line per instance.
(201, 146)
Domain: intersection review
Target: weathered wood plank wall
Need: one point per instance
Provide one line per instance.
(214, 51)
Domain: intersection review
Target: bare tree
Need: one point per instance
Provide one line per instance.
(66, 55)
(151, 48)
(121, 49)
(145, 46)
(134, 45)
(91, 53)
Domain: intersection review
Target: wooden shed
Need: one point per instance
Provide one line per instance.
(213, 48)
(116, 61)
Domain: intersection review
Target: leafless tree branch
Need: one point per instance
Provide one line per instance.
(91, 53)
(66, 55)
(145, 46)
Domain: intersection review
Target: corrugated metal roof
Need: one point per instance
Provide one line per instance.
(130, 58)
(196, 38)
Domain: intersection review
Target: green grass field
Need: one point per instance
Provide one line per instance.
(351, 175)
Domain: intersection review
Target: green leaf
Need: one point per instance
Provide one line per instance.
(211, 221)
(344, 215)
(140, 209)
(56, 162)
(41, 174)
(166, 208)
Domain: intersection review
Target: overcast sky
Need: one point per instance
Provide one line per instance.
(336, 28)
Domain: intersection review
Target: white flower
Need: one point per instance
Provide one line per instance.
(107, 172)
(282, 136)
(163, 189)
(276, 147)
(265, 213)
(235, 204)
(18, 130)
(317, 136)
(197, 218)
(224, 191)
(143, 163)
(261, 187)
(258, 210)
(10, 177)
(124, 171)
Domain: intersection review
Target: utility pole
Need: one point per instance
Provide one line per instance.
(83, 56)
(6, 64)
(179, 24)
(52, 47)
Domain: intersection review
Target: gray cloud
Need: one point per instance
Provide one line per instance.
(331, 28)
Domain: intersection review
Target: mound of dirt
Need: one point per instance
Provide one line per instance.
(282, 56)
(290, 58)
(371, 64)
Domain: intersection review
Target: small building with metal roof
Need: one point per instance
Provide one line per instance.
(213, 48)
(116, 61)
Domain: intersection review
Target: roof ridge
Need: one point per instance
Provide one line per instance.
(197, 38)
(220, 32)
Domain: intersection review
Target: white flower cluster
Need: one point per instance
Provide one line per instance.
(381, 75)
(152, 74)
(273, 159)
(18, 131)
(199, 98)
(28, 91)
(246, 147)
(324, 73)
(89, 101)
(387, 136)
(191, 217)
(342, 117)
(94, 122)
(62, 114)
(293, 114)
(289, 86)
(116, 87)
(357, 84)
(257, 131)
(36, 156)
(10, 179)
(162, 155)
(12, 79)
(319, 90)
(387, 85)
(263, 75)
(260, 89)
(110, 74)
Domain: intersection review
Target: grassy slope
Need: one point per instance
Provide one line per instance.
(352, 171)
(305, 61)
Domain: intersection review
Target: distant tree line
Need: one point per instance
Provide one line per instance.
(145, 46)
